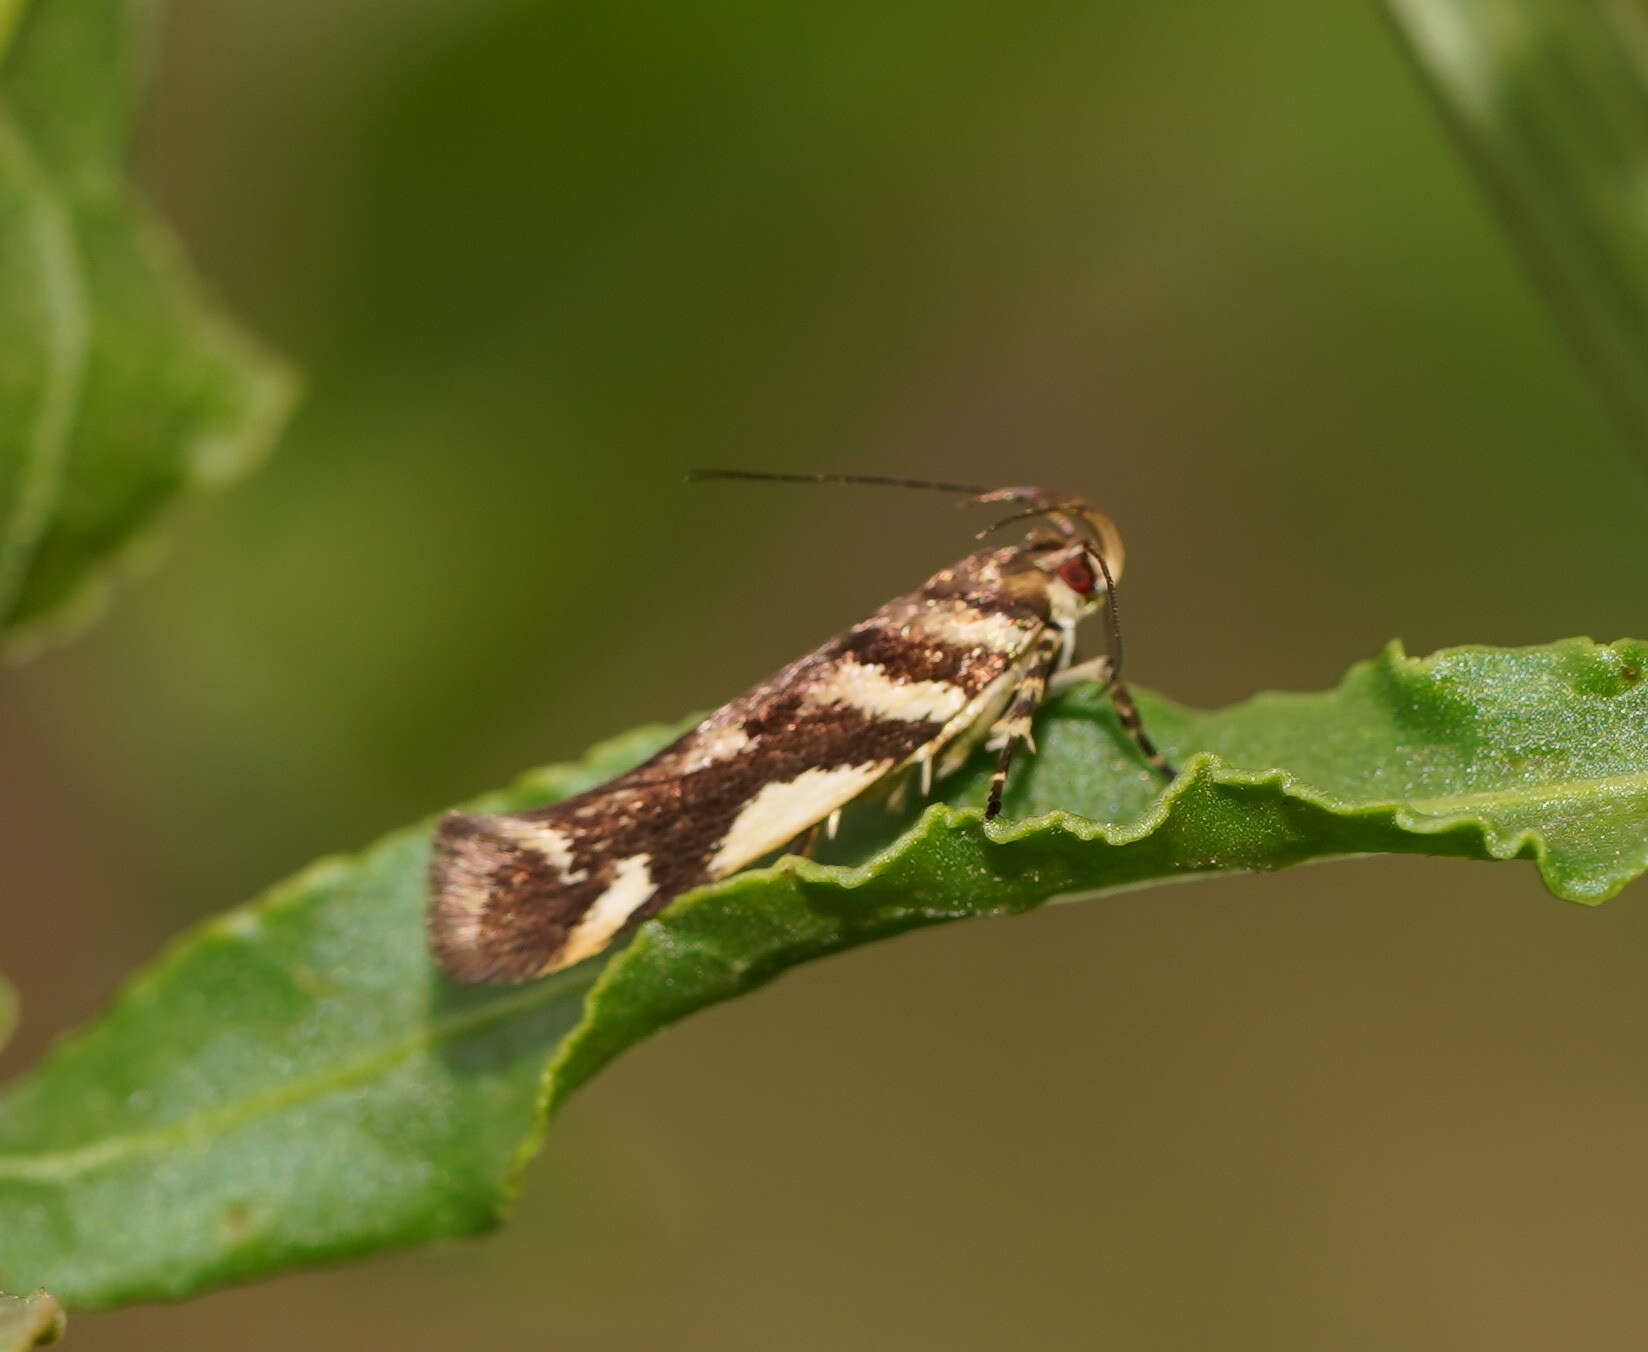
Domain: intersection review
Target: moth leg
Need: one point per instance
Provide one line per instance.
(900, 794)
(916, 777)
(1128, 713)
(1094, 669)
(1013, 727)
(1102, 670)
(804, 844)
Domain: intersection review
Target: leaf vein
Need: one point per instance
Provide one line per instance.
(56, 1165)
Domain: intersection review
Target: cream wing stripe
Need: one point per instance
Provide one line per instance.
(781, 811)
(550, 841)
(631, 888)
(871, 690)
(966, 627)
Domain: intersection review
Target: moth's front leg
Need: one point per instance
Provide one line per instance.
(1013, 727)
(1102, 670)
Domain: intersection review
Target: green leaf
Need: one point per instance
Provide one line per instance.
(29, 1321)
(123, 391)
(293, 1082)
(1549, 100)
(10, 12)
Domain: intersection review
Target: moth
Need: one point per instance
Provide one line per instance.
(965, 658)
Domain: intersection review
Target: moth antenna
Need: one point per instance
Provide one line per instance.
(1112, 615)
(1058, 513)
(879, 480)
(1120, 695)
(1025, 515)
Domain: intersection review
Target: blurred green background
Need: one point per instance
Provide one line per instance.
(1215, 267)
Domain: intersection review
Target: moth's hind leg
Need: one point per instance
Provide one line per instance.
(807, 841)
(1013, 727)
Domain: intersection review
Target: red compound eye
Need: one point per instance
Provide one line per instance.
(1077, 575)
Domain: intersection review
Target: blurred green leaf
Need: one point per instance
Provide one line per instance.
(29, 1321)
(1549, 99)
(10, 12)
(293, 1082)
(122, 391)
(8, 1011)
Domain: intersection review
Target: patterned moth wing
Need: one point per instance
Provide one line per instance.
(517, 895)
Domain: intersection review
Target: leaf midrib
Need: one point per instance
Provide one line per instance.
(57, 1165)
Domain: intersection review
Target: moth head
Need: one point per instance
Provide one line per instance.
(1102, 553)
(1079, 574)
(1078, 545)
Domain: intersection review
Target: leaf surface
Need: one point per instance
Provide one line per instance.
(1549, 101)
(293, 1082)
(122, 391)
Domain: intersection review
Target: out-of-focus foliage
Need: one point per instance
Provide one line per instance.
(294, 1082)
(29, 1321)
(1212, 265)
(122, 390)
(1549, 99)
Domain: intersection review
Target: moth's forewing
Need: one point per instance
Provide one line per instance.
(517, 895)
